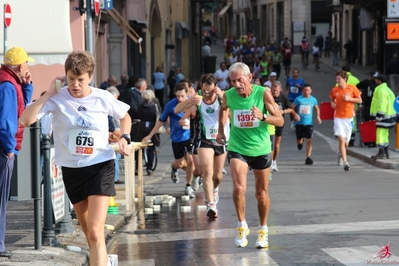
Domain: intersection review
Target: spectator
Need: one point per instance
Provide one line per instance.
(147, 113)
(349, 51)
(124, 83)
(159, 84)
(367, 87)
(114, 137)
(172, 80)
(16, 91)
(136, 100)
(320, 44)
(111, 81)
(179, 75)
(206, 49)
(327, 47)
(335, 48)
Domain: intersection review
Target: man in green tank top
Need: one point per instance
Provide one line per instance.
(252, 109)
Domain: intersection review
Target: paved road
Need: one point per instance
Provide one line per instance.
(320, 214)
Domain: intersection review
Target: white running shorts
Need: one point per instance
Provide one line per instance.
(343, 128)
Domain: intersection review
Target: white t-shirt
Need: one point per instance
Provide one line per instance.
(80, 126)
(219, 74)
(267, 84)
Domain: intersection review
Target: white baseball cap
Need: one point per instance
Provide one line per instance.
(273, 74)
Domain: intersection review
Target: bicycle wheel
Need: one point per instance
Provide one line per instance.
(145, 158)
(155, 161)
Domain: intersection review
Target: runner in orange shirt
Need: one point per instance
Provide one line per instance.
(343, 97)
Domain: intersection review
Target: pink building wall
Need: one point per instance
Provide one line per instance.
(42, 75)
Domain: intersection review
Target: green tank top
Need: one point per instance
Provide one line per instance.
(265, 68)
(248, 135)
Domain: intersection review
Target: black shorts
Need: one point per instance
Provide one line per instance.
(96, 179)
(287, 62)
(279, 131)
(304, 131)
(258, 162)
(192, 148)
(181, 148)
(218, 149)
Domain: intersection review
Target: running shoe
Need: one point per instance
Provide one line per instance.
(241, 239)
(195, 183)
(263, 239)
(224, 171)
(340, 161)
(211, 210)
(308, 161)
(174, 175)
(346, 166)
(112, 260)
(292, 125)
(189, 192)
(216, 195)
(274, 167)
(300, 145)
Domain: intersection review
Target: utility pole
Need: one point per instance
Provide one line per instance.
(89, 27)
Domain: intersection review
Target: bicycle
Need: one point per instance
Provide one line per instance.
(147, 151)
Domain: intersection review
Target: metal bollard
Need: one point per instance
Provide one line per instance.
(37, 198)
(48, 234)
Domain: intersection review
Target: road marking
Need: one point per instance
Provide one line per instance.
(360, 256)
(244, 259)
(273, 230)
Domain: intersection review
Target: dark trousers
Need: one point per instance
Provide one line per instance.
(7, 166)
(159, 95)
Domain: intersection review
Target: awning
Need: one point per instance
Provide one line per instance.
(42, 28)
(140, 23)
(124, 25)
(224, 10)
(181, 30)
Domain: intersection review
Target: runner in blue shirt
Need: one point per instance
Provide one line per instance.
(293, 88)
(304, 105)
(179, 135)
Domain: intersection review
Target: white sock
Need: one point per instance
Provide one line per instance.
(216, 189)
(263, 227)
(243, 224)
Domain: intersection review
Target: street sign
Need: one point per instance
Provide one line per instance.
(106, 4)
(393, 8)
(396, 104)
(392, 31)
(7, 15)
(97, 7)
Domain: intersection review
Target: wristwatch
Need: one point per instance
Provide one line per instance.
(126, 137)
(264, 117)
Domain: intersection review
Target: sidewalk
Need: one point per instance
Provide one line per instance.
(20, 237)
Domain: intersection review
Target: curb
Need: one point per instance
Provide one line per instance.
(384, 164)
